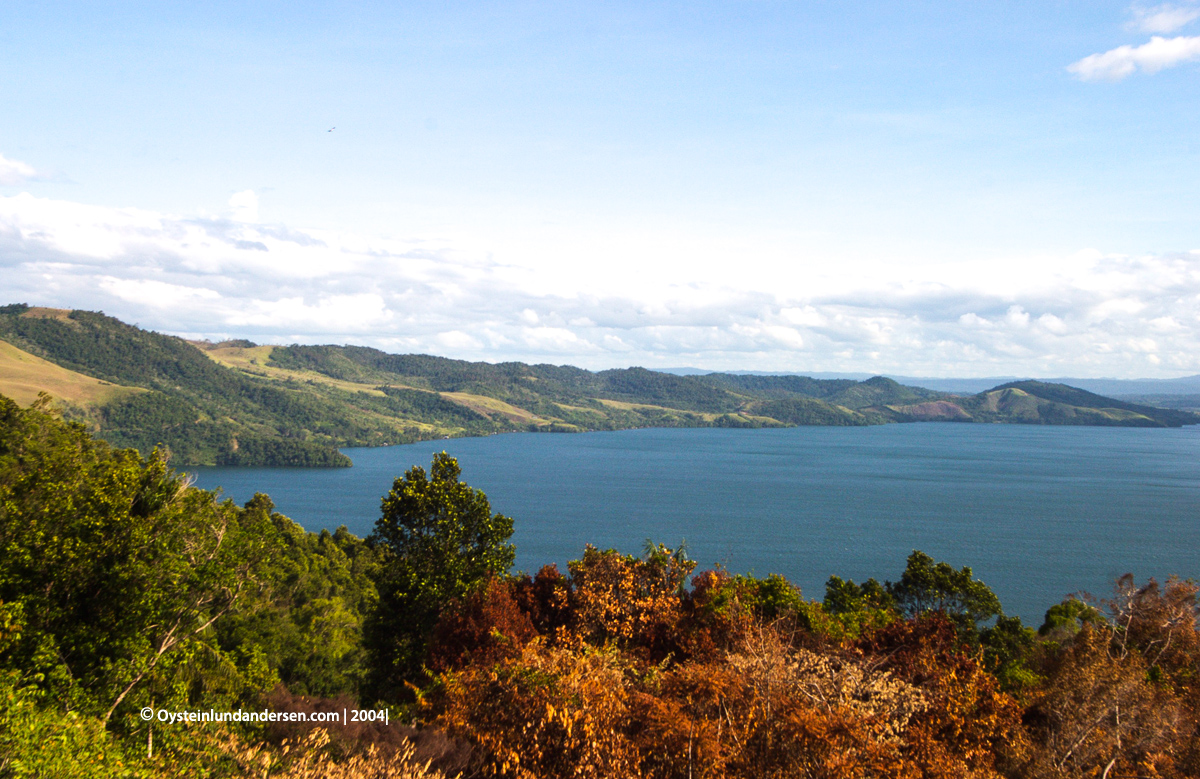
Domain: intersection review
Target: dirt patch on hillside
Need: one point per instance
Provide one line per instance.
(934, 409)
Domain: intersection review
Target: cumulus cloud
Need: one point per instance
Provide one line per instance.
(1116, 64)
(1162, 18)
(1083, 314)
(15, 172)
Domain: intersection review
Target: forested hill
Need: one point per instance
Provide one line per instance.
(237, 403)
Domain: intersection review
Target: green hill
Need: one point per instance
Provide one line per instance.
(237, 403)
(1041, 403)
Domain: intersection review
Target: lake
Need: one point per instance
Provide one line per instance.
(1037, 512)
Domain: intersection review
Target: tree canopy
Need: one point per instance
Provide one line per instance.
(928, 586)
(439, 539)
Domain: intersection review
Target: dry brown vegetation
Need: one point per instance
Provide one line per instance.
(23, 376)
(620, 671)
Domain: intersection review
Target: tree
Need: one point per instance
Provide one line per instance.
(307, 618)
(1065, 620)
(439, 540)
(118, 565)
(928, 586)
(846, 597)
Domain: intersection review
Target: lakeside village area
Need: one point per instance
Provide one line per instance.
(124, 590)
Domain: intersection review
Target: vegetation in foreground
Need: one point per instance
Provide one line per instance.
(122, 587)
(236, 403)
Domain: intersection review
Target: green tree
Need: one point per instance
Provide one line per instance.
(118, 566)
(1007, 647)
(927, 586)
(846, 597)
(439, 540)
(307, 620)
(1064, 620)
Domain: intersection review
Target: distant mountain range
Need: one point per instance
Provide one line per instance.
(238, 403)
(1116, 388)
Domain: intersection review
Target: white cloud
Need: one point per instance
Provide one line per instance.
(803, 316)
(555, 338)
(1052, 324)
(15, 172)
(156, 294)
(1017, 317)
(1116, 64)
(244, 206)
(456, 339)
(786, 336)
(1086, 313)
(1162, 18)
(349, 312)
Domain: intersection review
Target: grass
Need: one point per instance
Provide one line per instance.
(23, 376)
(492, 406)
(254, 359)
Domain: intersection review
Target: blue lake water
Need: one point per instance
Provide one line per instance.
(1037, 512)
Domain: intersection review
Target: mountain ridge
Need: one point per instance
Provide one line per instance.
(239, 403)
(1179, 386)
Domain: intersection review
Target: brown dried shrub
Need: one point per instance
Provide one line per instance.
(310, 757)
(1099, 714)
(424, 745)
(551, 712)
(486, 627)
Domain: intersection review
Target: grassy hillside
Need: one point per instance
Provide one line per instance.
(205, 413)
(23, 376)
(238, 403)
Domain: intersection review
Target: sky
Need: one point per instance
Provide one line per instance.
(918, 188)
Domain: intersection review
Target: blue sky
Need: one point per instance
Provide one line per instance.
(924, 188)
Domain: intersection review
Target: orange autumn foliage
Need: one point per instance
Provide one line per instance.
(629, 600)
(970, 724)
(484, 628)
(633, 674)
(549, 712)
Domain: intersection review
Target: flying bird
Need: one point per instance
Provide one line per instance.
(331, 129)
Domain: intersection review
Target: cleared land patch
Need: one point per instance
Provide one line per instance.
(253, 360)
(23, 376)
(491, 406)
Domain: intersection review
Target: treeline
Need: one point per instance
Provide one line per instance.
(721, 399)
(295, 405)
(124, 588)
(527, 385)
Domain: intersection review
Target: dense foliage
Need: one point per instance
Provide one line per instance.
(122, 586)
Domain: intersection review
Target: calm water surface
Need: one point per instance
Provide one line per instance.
(1037, 512)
